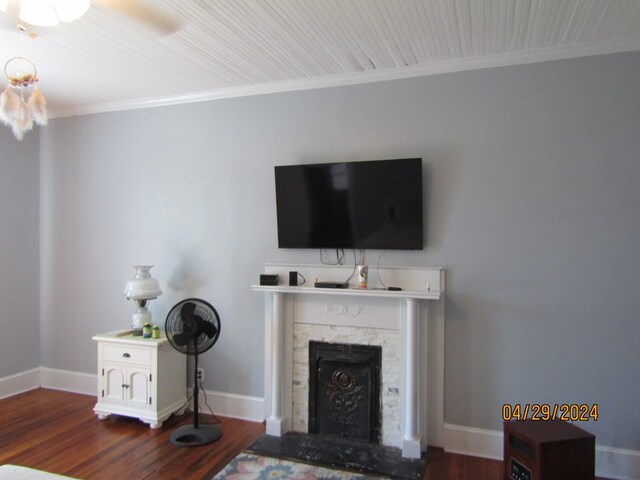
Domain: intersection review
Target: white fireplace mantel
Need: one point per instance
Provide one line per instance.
(417, 311)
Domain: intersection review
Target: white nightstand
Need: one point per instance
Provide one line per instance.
(139, 377)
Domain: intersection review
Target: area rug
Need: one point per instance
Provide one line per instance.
(248, 466)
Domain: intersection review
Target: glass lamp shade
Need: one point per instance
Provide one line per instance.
(143, 286)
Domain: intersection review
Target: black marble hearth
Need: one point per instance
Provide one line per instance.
(341, 453)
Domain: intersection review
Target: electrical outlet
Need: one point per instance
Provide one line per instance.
(200, 373)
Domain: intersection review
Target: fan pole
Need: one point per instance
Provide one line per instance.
(196, 387)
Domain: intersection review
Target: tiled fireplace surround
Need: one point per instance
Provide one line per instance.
(407, 324)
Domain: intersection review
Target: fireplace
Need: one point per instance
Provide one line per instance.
(344, 390)
(386, 342)
(408, 325)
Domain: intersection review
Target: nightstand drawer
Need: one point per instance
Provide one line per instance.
(127, 354)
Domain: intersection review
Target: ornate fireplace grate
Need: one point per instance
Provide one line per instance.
(344, 390)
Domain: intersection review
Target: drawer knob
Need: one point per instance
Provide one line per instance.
(126, 355)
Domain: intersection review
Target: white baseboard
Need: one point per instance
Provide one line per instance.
(224, 404)
(617, 463)
(68, 381)
(614, 463)
(20, 382)
(233, 405)
(473, 441)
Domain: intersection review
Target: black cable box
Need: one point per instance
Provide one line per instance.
(266, 279)
(331, 284)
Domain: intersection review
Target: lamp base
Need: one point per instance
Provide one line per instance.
(190, 436)
(140, 317)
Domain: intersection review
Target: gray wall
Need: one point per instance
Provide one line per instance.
(19, 278)
(532, 206)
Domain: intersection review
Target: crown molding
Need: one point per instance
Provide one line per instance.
(435, 68)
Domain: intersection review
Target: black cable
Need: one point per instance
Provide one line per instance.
(204, 392)
(355, 265)
(378, 270)
(184, 405)
(339, 257)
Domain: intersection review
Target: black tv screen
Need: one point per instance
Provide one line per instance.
(364, 205)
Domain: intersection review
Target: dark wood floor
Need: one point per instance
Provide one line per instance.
(58, 432)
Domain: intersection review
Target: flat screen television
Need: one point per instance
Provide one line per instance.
(362, 205)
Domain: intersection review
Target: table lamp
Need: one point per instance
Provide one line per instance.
(141, 289)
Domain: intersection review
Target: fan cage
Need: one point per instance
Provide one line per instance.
(174, 326)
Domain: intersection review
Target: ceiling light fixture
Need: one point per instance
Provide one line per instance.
(15, 112)
(48, 13)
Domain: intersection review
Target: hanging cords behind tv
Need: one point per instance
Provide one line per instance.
(339, 257)
(378, 270)
(355, 264)
(340, 260)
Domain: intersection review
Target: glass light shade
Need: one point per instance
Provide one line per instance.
(143, 286)
(48, 13)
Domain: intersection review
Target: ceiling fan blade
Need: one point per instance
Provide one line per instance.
(144, 14)
(9, 19)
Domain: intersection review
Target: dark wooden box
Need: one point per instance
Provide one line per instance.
(548, 450)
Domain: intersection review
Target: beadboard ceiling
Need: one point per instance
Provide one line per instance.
(105, 61)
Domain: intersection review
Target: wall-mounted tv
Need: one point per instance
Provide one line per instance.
(363, 205)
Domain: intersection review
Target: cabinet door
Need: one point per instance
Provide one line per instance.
(114, 384)
(138, 390)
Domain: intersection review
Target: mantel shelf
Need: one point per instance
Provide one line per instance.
(418, 295)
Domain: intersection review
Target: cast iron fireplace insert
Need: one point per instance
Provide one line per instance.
(344, 390)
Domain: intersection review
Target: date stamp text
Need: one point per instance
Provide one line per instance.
(573, 412)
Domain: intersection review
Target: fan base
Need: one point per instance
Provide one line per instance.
(190, 436)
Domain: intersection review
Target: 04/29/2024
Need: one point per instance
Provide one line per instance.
(575, 412)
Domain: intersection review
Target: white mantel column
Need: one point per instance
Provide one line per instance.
(274, 422)
(410, 436)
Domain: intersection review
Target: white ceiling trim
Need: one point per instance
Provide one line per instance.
(369, 76)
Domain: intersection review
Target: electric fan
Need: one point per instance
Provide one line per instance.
(193, 327)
